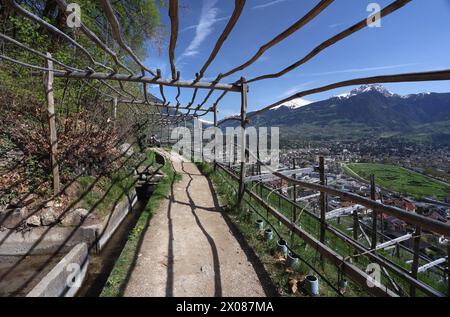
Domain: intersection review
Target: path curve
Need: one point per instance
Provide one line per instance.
(189, 249)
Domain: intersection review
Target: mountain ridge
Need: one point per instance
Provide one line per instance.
(367, 111)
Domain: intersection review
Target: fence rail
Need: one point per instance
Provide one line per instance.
(338, 260)
(411, 218)
(332, 256)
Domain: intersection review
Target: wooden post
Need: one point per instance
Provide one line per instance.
(323, 198)
(168, 134)
(215, 139)
(397, 250)
(280, 191)
(448, 267)
(192, 140)
(416, 257)
(355, 224)
(294, 196)
(381, 221)
(48, 81)
(294, 206)
(374, 213)
(258, 157)
(244, 93)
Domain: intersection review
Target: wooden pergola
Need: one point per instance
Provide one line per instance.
(154, 77)
(168, 112)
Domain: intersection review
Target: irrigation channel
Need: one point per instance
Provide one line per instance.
(30, 267)
(34, 268)
(101, 264)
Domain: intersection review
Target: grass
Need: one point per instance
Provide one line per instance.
(108, 190)
(116, 282)
(400, 180)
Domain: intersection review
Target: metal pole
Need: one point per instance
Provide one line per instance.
(244, 93)
(48, 80)
(374, 213)
(323, 198)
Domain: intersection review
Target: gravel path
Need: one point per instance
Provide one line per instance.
(190, 250)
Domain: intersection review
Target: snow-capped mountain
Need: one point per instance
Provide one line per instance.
(367, 88)
(295, 104)
(206, 121)
(369, 111)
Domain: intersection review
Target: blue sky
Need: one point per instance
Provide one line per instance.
(414, 38)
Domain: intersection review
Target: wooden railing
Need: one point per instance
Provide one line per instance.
(356, 274)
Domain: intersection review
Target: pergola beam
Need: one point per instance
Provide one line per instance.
(282, 36)
(143, 79)
(333, 40)
(173, 14)
(17, 8)
(94, 38)
(164, 106)
(117, 33)
(238, 8)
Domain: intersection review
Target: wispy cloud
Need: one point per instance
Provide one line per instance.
(269, 4)
(360, 70)
(204, 28)
(335, 25)
(194, 27)
(297, 88)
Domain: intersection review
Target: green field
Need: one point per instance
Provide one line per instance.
(400, 180)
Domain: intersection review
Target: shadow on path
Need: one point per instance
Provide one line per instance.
(216, 261)
(252, 257)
